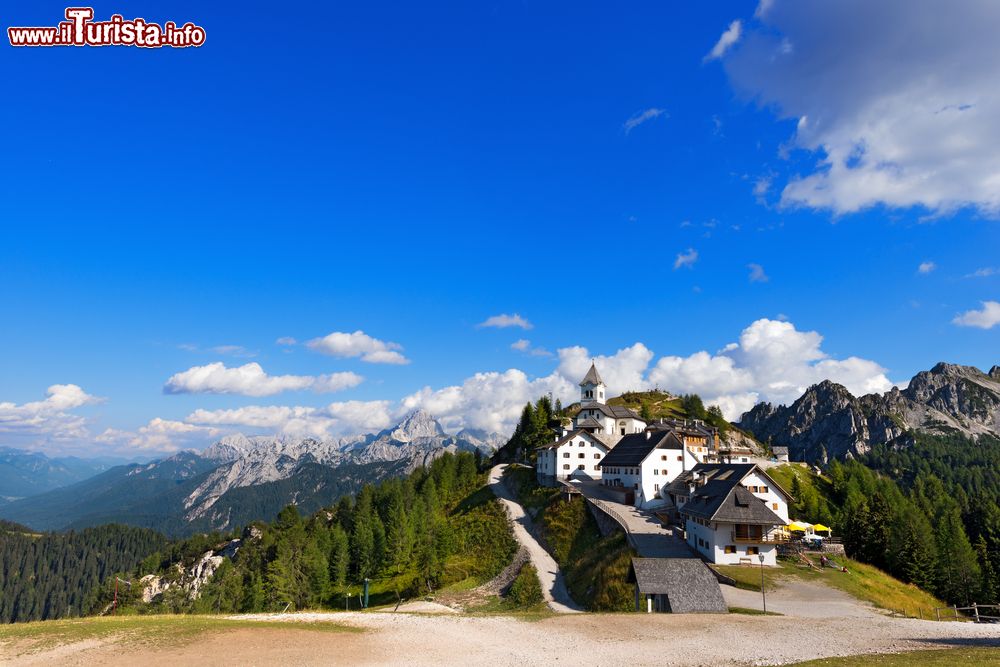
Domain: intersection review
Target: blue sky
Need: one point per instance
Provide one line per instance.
(409, 171)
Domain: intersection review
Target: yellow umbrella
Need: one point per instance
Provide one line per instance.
(820, 528)
(795, 525)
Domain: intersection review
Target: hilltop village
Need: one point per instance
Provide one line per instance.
(731, 511)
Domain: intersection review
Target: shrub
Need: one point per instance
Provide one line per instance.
(526, 591)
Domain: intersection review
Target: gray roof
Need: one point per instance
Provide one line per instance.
(779, 450)
(595, 437)
(614, 411)
(687, 582)
(633, 448)
(592, 376)
(589, 422)
(719, 495)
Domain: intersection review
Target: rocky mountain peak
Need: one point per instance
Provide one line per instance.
(417, 424)
(828, 420)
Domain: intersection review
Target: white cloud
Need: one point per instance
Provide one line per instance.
(984, 272)
(757, 274)
(726, 41)
(641, 117)
(286, 340)
(926, 267)
(524, 345)
(251, 380)
(986, 317)
(342, 418)
(504, 321)
(358, 344)
(491, 401)
(37, 422)
(159, 435)
(898, 100)
(772, 361)
(686, 259)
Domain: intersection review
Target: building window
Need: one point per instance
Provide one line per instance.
(663, 458)
(581, 467)
(565, 466)
(752, 551)
(774, 506)
(656, 487)
(680, 458)
(565, 455)
(730, 549)
(763, 489)
(596, 468)
(656, 472)
(581, 455)
(597, 455)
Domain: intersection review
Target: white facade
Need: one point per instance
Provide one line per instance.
(717, 543)
(575, 456)
(764, 488)
(609, 424)
(649, 479)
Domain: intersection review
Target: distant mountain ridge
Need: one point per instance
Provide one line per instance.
(25, 473)
(241, 478)
(828, 422)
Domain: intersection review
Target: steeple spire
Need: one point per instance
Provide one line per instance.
(592, 376)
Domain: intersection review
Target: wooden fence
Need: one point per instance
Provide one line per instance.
(975, 613)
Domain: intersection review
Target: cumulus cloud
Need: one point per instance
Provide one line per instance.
(772, 361)
(358, 344)
(726, 41)
(686, 259)
(911, 120)
(341, 418)
(159, 435)
(504, 321)
(986, 317)
(251, 380)
(757, 274)
(37, 422)
(641, 117)
(926, 267)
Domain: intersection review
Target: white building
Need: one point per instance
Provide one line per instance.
(643, 464)
(576, 455)
(734, 513)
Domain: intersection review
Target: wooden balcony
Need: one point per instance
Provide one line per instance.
(741, 537)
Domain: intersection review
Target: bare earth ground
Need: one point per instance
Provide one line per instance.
(422, 637)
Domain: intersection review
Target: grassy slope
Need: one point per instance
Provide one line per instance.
(931, 658)
(861, 581)
(594, 566)
(157, 630)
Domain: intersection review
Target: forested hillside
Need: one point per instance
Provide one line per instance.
(410, 537)
(53, 575)
(927, 514)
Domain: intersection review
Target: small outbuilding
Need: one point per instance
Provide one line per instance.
(780, 453)
(678, 585)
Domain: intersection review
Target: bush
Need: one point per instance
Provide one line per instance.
(526, 591)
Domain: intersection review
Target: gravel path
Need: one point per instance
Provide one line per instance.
(803, 599)
(553, 586)
(580, 640)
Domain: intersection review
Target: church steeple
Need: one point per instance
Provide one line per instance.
(592, 387)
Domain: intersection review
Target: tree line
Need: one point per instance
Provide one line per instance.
(51, 575)
(406, 536)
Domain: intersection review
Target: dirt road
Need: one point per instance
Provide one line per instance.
(553, 585)
(574, 639)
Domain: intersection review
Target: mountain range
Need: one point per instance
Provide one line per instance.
(24, 473)
(240, 479)
(828, 422)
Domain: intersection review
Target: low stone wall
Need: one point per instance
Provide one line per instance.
(502, 582)
(606, 523)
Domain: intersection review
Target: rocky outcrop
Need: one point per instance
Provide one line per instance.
(827, 421)
(194, 578)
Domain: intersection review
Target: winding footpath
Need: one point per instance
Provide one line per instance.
(553, 585)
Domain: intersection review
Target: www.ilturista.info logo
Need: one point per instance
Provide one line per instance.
(79, 29)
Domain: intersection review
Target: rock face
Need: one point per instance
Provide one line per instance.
(827, 421)
(250, 461)
(192, 579)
